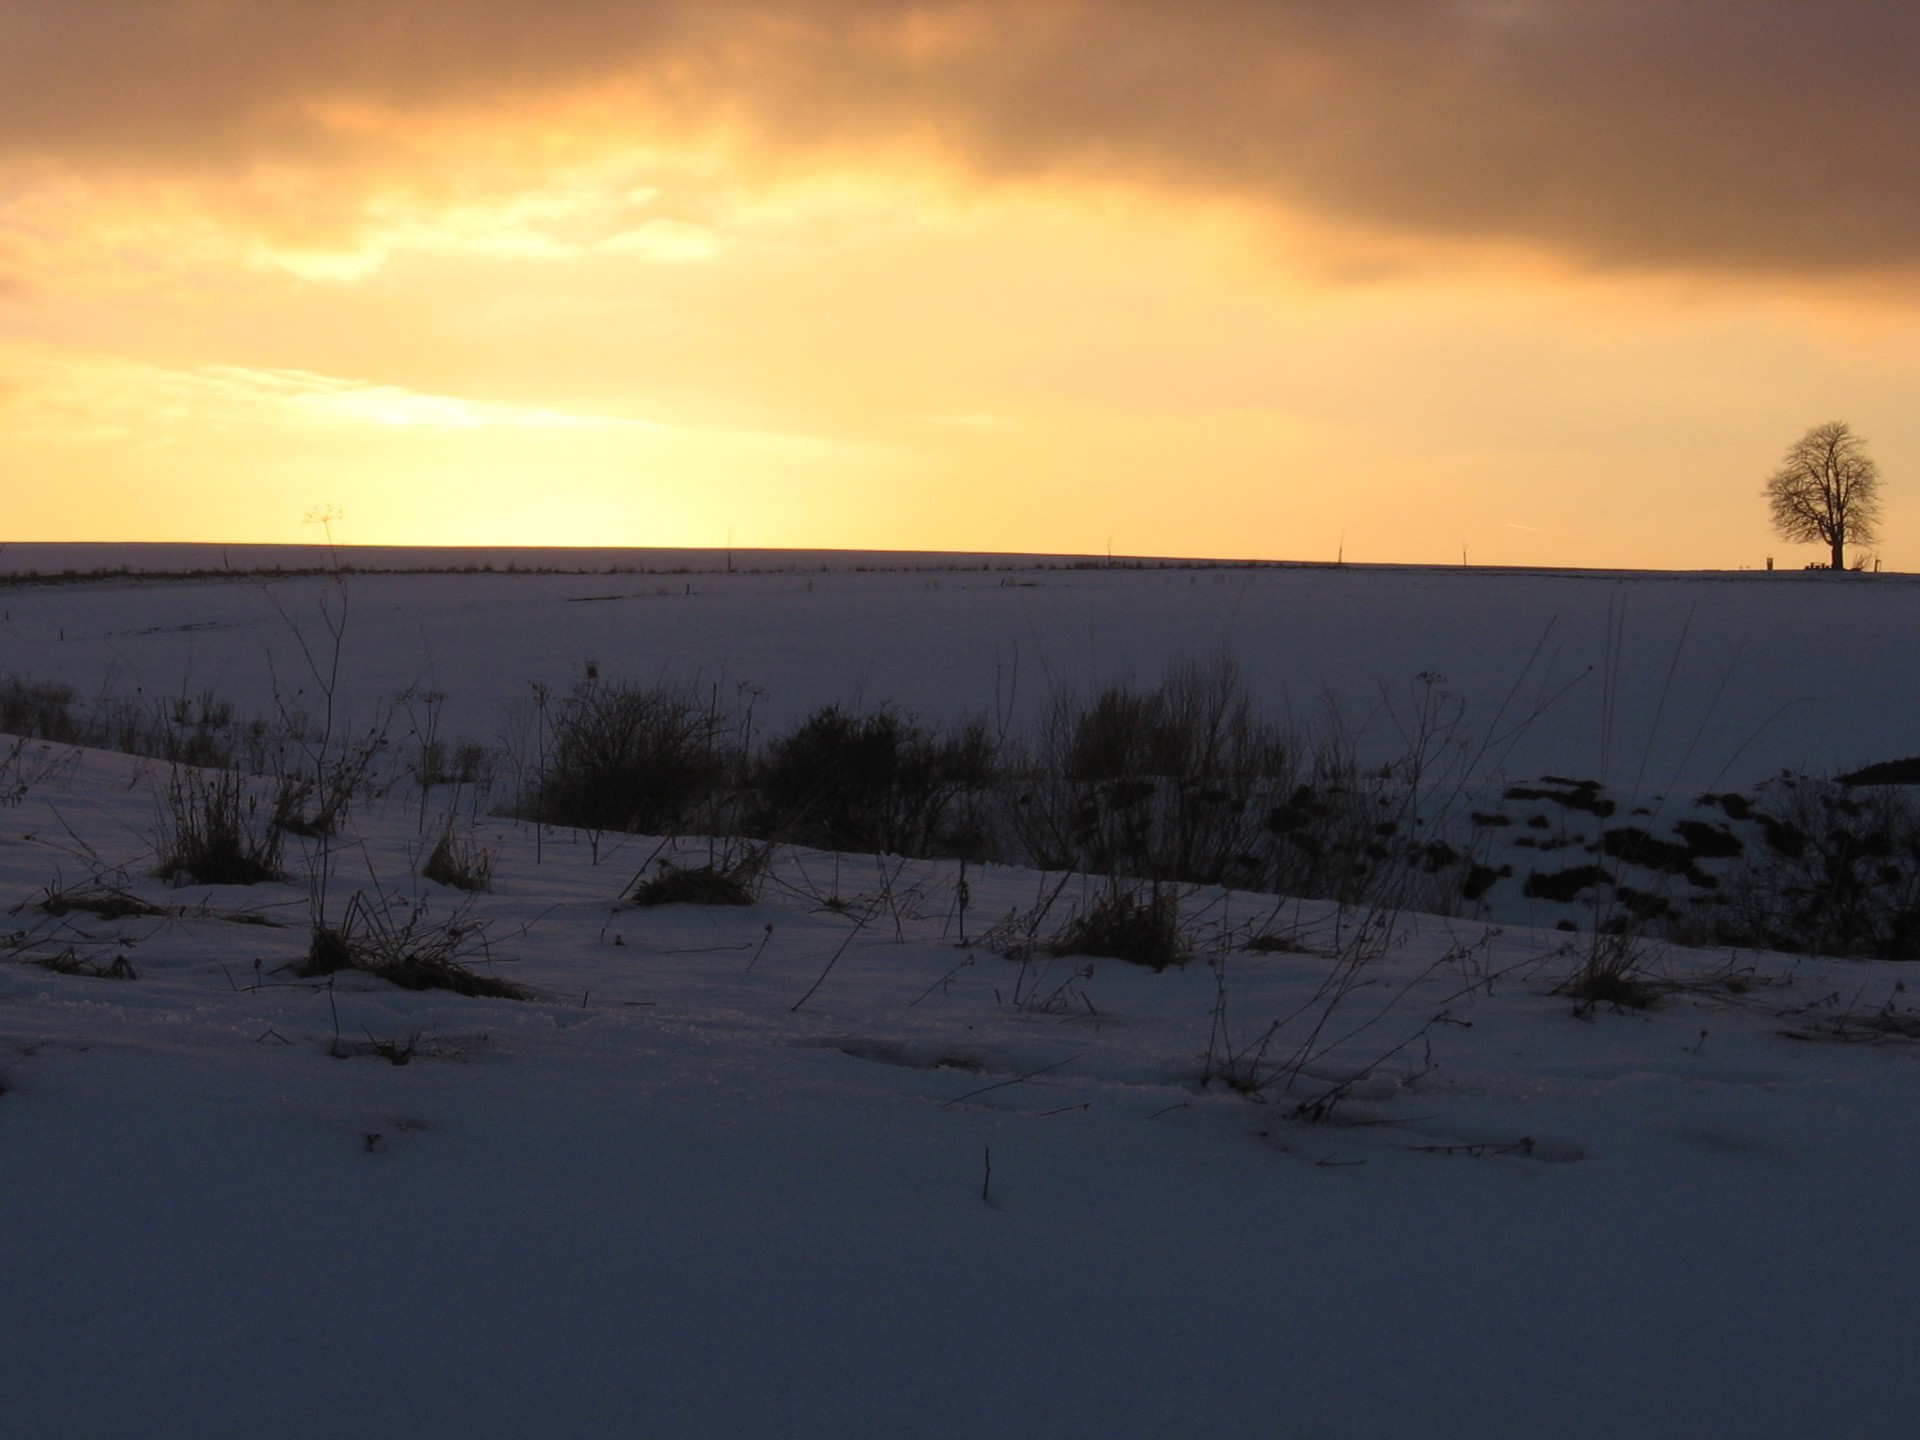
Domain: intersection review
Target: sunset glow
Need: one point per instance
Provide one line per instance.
(1539, 282)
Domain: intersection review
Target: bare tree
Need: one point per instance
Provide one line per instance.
(1827, 491)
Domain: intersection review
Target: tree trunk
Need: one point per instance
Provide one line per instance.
(1839, 552)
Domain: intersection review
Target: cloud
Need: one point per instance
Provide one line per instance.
(1709, 135)
(75, 397)
(331, 400)
(565, 220)
(665, 240)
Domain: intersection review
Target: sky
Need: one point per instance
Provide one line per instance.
(1545, 282)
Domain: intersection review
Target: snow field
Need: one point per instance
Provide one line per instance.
(655, 1197)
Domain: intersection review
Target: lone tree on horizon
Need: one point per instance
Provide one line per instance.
(1827, 491)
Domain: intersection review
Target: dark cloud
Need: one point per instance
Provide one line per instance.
(1748, 134)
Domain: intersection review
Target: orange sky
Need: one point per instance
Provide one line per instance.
(1553, 281)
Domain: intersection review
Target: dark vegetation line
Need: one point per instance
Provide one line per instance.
(931, 564)
(1178, 783)
(71, 576)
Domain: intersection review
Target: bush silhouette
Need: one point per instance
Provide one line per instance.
(874, 782)
(628, 758)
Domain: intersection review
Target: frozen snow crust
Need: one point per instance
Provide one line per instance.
(865, 1157)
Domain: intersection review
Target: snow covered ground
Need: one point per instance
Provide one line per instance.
(1650, 681)
(830, 1164)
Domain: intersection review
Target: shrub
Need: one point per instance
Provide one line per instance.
(1837, 872)
(14, 783)
(465, 763)
(38, 710)
(1172, 783)
(876, 782)
(186, 730)
(196, 730)
(626, 758)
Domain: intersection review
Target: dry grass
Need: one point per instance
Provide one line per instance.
(710, 884)
(71, 962)
(214, 831)
(457, 861)
(415, 954)
(109, 902)
(1137, 924)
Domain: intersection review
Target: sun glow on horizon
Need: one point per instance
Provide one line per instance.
(814, 290)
